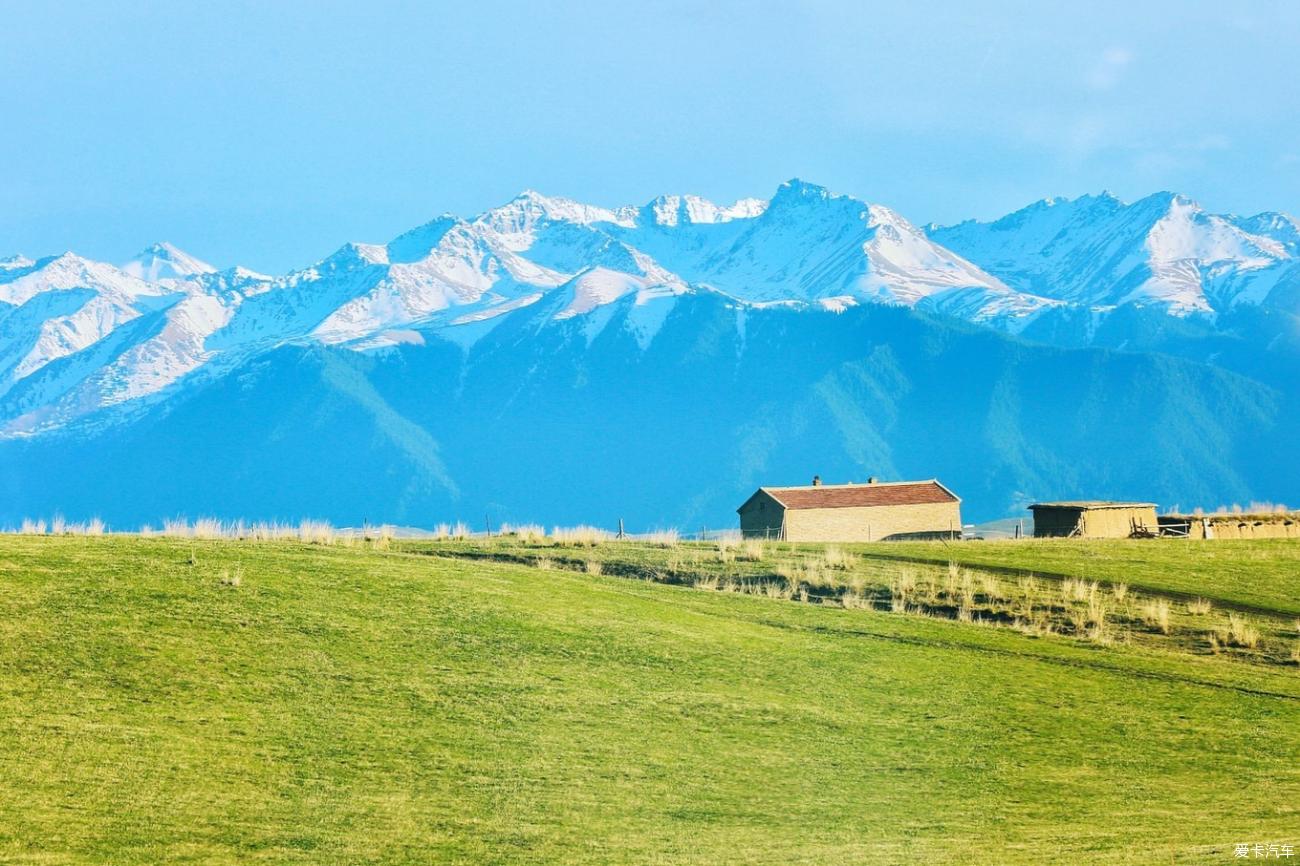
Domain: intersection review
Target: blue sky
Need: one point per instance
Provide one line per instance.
(269, 133)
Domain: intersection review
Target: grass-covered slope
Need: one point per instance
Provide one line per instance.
(239, 702)
(1262, 573)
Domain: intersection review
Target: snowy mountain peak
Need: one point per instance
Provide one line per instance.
(516, 218)
(674, 210)
(1163, 250)
(1276, 226)
(354, 254)
(162, 261)
(420, 242)
(457, 279)
(795, 189)
(69, 271)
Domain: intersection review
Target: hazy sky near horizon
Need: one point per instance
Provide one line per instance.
(269, 133)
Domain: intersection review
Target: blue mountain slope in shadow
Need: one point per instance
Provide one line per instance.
(552, 423)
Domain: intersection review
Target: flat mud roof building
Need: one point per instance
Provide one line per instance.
(873, 511)
(1093, 519)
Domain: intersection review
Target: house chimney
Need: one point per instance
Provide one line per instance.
(871, 479)
(817, 481)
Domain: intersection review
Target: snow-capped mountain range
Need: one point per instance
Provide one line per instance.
(78, 337)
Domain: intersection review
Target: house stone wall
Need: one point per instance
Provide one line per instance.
(875, 523)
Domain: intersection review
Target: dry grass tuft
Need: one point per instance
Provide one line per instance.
(1239, 633)
(528, 533)
(1155, 613)
(835, 557)
(593, 566)
(662, 538)
(579, 536)
(206, 527)
(1080, 591)
(1199, 607)
(774, 589)
(32, 527)
(751, 550)
(854, 601)
(317, 532)
(1120, 591)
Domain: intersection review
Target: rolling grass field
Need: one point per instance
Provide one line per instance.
(191, 701)
(1258, 573)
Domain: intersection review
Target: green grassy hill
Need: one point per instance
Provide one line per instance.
(166, 700)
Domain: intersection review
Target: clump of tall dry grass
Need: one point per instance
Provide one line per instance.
(1120, 591)
(726, 549)
(528, 533)
(1081, 591)
(835, 557)
(1239, 632)
(176, 527)
(775, 589)
(457, 531)
(579, 536)
(32, 527)
(854, 601)
(662, 538)
(751, 550)
(593, 566)
(271, 531)
(801, 576)
(205, 527)
(707, 582)
(1199, 607)
(1155, 613)
(316, 532)
(991, 587)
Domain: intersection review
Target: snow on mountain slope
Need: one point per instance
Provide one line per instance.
(1096, 251)
(78, 336)
(1278, 226)
(162, 261)
(674, 210)
(65, 304)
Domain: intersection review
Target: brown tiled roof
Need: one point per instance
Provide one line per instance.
(862, 495)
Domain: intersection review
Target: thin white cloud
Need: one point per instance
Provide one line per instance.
(1109, 68)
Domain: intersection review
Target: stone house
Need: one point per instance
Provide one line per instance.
(873, 511)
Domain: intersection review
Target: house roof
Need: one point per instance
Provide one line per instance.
(1089, 505)
(860, 495)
